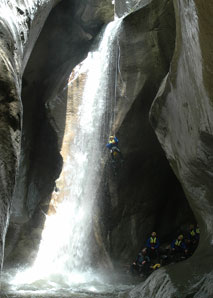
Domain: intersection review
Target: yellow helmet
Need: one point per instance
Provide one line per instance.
(156, 266)
(180, 237)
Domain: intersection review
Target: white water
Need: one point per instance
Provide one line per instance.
(63, 261)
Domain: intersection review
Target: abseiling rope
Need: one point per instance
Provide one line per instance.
(114, 102)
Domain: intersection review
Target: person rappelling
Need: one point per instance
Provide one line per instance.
(113, 147)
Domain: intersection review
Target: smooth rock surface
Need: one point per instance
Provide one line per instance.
(64, 42)
(143, 195)
(19, 28)
(124, 7)
(182, 118)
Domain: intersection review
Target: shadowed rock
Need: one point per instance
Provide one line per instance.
(19, 28)
(143, 195)
(182, 118)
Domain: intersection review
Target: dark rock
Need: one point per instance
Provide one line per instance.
(13, 59)
(182, 118)
(144, 195)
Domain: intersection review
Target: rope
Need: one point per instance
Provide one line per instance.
(113, 102)
(43, 211)
(115, 89)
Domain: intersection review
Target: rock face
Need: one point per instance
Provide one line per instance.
(125, 7)
(137, 199)
(182, 118)
(63, 43)
(143, 195)
(19, 28)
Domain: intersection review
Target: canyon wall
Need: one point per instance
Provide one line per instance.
(19, 28)
(63, 43)
(144, 195)
(182, 118)
(164, 48)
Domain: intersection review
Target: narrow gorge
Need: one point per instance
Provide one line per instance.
(74, 72)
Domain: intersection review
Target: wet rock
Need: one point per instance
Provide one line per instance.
(16, 42)
(182, 118)
(124, 7)
(157, 285)
(63, 43)
(101, 11)
(134, 199)
(143, 195)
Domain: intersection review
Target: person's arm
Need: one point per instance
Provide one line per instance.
(189, 236)
(173, 244)
(183, 245)
(143, 260)
(148, 244)
(157, 244)
(137, 260)
(197, 236)
(147, 258)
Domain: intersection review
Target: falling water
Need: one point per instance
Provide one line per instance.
(63, 260)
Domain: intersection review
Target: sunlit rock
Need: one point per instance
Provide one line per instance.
(124, 7)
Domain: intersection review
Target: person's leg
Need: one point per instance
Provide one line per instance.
(157, 254)
(146, 268)
(112, 155)
(152, 254)
(149, 252)
(119, 152)
(133, 269)
(140, 267)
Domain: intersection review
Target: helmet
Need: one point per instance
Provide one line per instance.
(156, 266)
(111, 137)
(153, 234)
(180, 237)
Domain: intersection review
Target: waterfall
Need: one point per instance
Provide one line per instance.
(64, 253)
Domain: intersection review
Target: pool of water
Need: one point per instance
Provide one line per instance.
(104, 285)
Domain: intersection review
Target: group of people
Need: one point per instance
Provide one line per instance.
(153, 256)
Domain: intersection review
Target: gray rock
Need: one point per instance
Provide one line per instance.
(125, 7)
(138, 199)
(19, 28)
(63, 43)
(182, 118)
(144, 195)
